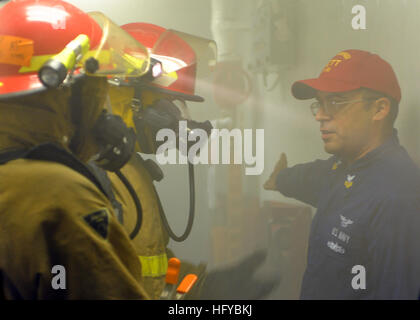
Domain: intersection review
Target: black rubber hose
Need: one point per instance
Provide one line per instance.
(191, 215)
(133, 194)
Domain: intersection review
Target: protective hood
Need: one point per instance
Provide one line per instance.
(65, 116)
(31, 120)
(87, 103)
(121, 99)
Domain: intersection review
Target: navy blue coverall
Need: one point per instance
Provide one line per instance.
(368, 214)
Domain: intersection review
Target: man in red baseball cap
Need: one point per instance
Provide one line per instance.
(364, 240)
(364, 87)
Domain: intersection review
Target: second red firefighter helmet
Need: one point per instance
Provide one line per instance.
(178, 55)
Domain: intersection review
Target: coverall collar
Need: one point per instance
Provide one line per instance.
(390, 144)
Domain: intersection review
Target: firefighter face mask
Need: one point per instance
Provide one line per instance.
(132, 111)
(148, 112)
(160, 111)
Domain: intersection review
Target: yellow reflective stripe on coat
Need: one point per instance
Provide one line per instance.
(154, 266)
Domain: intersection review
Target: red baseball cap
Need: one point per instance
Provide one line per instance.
(350, 70)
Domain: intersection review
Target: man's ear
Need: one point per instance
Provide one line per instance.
(382, 109)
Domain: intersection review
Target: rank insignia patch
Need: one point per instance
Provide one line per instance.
(349, 182)
(99, 221)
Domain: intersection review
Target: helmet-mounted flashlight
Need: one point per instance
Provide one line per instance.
(55, 70)
(155, 70)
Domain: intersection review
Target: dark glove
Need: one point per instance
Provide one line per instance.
(239, 282)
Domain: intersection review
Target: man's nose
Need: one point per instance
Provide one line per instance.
(321, 115)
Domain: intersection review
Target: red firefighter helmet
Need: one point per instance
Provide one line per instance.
(34, 31)
(178, 54)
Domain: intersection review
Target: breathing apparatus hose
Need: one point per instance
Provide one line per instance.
(191, 214)
(133, 194)
(139, 209)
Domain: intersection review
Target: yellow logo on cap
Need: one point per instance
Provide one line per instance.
(345, 55)
(1, 84)
(335, 62)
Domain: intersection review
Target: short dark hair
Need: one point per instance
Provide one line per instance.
(393, 112)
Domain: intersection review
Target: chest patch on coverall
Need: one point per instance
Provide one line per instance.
(99, 221)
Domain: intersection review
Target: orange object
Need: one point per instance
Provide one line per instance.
(16, 50)
(187, 283)
(172, 274)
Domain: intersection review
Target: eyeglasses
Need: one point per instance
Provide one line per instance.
(332, 107)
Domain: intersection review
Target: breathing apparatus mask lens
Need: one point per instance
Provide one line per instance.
(164, 114)
(116, 141)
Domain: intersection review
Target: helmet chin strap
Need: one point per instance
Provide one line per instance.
(108, 105)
